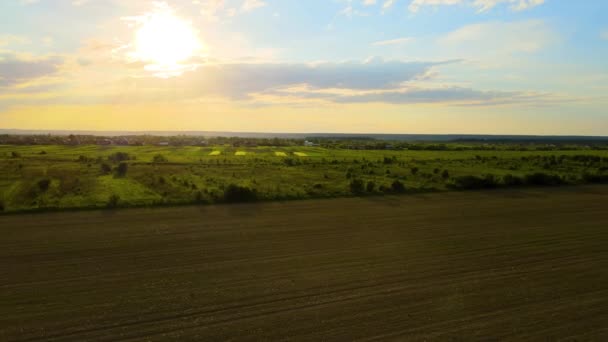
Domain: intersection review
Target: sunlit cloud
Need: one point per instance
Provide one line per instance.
(397, 41)
(480, 5)
(249, 5)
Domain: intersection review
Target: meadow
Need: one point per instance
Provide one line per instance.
(50, 177)
(511, 264)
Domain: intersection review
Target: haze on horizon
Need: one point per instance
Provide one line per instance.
(356, 66)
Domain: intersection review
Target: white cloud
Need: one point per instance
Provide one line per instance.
(80, 2)
(499, 38)
(388, 4)
(396, 41)
(481, 5)
(249, 5)
(369, 2)
(416, 4)
(515, 5)
(9, 39)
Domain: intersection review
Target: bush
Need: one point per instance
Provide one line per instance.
(235, 193)
(398, 187)
(473, 182)
(15, 154)
(357, 186)
(198, 197)
(2, 207)
(44, 184)
(414, 170)
(121, 170)
(119, 157)
(113, 201)
(370, 187)
(445, 174)
(595, 178)
(106, 169)
(159, 158)
(543, 179)
(510, 180)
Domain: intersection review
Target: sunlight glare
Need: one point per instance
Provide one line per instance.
(166, 42)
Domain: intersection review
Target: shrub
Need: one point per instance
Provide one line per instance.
(15, 154)
(595, 178)
(2, 207)
(159, 158)
(370, 187)
(398, 187)
(473, 182)
(510, 180)
(44, 184)
(198, 197)
(357, 186)
(121, 170)
(445, 174)
(388, 160)
(235, 193)
(414, 170)
(113, 201)
(42, 152)
(119, 157)
(105, 168)
(543, 179)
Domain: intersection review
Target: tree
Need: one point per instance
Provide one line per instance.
(445, 174)
(414, 170)
(122, 168)
(119, 157)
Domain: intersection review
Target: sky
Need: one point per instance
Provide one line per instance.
(352, 66)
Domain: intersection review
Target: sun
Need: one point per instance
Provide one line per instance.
(165, 42)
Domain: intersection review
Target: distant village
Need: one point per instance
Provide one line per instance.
(351, 143)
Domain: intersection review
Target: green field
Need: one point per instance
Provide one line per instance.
(518, 265)
(52, 177)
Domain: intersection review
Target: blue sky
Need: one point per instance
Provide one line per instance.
(402, 66)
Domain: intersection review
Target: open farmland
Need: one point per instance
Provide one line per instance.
(499, 265)
(49, 177)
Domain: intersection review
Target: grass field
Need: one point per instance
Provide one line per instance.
(498, 265)
(42, 177)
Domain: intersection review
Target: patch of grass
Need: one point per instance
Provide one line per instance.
(77, 175)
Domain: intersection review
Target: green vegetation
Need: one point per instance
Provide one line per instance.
(44, 177)
(507, 265)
